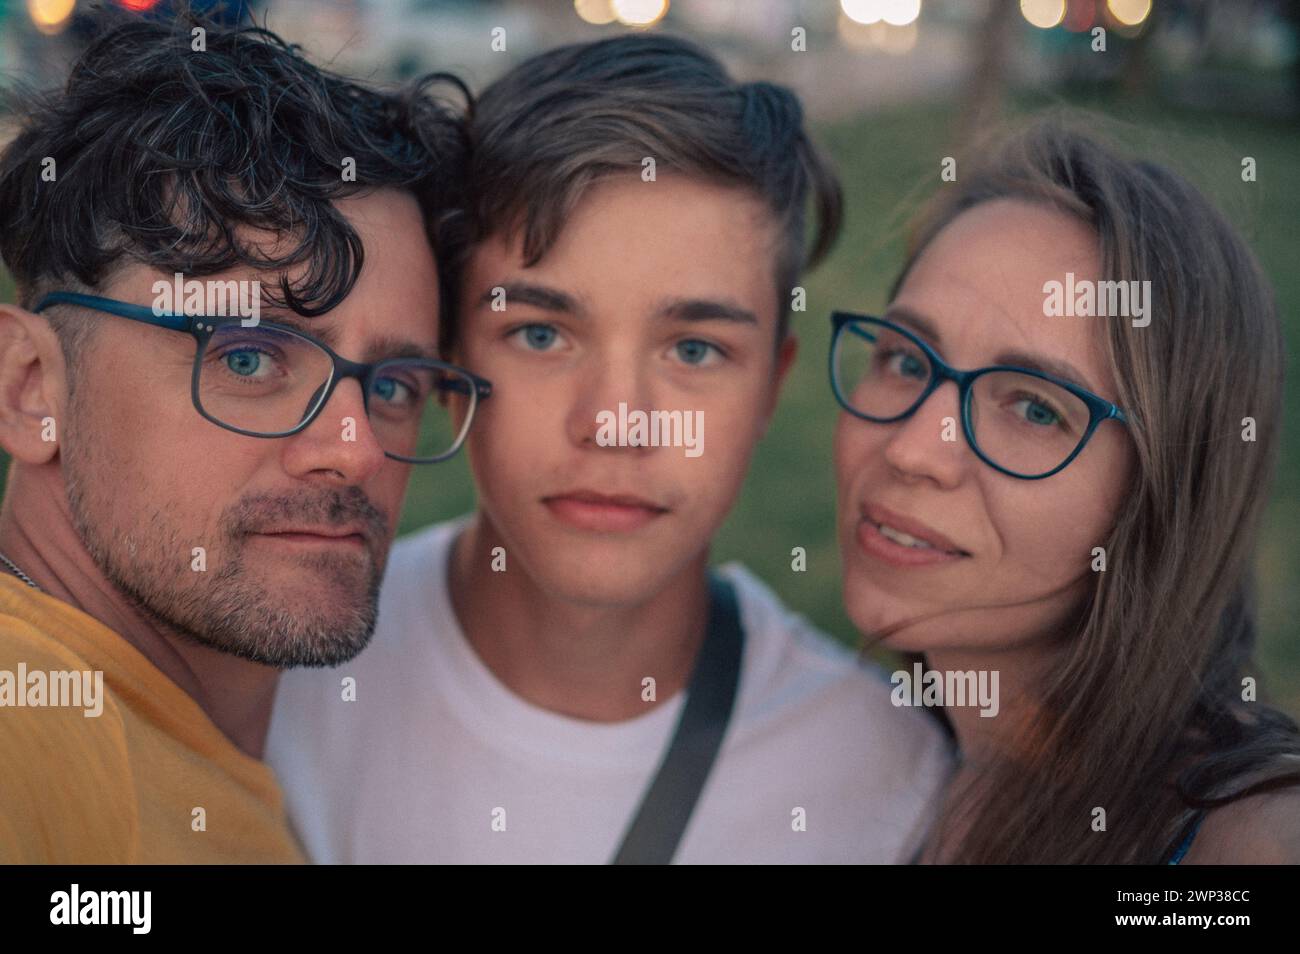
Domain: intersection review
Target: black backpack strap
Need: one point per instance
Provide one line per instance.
(655, 831)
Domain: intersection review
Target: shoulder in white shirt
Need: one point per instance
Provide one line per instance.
(436, 761)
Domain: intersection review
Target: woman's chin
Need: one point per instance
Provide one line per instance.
(873, 614)
(903, 641)
(883, 620)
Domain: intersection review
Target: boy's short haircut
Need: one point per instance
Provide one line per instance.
(159, 153)
(562, 120)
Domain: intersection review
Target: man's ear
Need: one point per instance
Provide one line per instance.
(785, 355)
(33, 386)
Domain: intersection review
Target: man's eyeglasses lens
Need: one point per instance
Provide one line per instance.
(267, 381)
(1023, 423)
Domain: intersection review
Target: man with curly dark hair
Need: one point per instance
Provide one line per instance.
(161, 563)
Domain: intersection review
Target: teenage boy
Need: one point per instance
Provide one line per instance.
(553, 674)
(161, 564)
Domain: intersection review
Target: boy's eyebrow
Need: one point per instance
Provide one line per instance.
(527, 293)
(552, 299)
(706, 309)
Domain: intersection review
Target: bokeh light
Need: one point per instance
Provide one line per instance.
(598, 12)
(862, 11)
(639, 12)
(50, 16)
(1043, 14)
(900, 12)
(1129, 12)
(893, 12)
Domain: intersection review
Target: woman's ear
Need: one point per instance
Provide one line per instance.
(33, 386)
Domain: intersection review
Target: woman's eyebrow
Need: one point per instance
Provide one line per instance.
(1037, 362)
(907, 316)
(1052, 366)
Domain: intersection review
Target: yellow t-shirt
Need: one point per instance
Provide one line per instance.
(122, 786)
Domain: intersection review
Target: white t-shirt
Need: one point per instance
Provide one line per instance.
(436, 761)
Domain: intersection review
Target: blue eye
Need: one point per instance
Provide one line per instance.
(539, 337)
(906, 364)
(387, 389)
(693, 351)
(243, 361)
(1036, 412)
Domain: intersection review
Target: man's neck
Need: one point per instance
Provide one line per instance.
(37, 533)
(580, 661)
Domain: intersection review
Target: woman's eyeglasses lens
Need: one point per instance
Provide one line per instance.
(1023, 423)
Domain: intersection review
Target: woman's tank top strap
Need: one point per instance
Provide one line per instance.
(1188, 835)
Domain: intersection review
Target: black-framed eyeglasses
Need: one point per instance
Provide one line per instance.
(270, 380)
(1022, 422)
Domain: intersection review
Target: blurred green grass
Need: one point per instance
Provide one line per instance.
(889, 162)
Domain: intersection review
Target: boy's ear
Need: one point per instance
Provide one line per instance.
(33, 386)
(785, 355)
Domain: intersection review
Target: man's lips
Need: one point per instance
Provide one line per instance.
(321, 536)
(592, 510)
(903, 541)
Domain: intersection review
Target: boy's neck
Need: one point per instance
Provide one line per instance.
(579, 661)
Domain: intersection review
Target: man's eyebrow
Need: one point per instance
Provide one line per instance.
(278, 314)
(289, 319)
(706, 309)
(391, 346)
(529, 293)
(377, 349)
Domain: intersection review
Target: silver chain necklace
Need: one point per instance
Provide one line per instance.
(18, 572)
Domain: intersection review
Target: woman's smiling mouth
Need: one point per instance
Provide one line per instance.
(902, 541)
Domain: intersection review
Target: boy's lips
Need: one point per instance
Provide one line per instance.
(606, 513)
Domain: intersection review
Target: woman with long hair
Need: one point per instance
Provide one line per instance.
(1053, 458)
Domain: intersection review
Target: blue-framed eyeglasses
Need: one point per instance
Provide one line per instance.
(1021, 422)
(270, 380)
